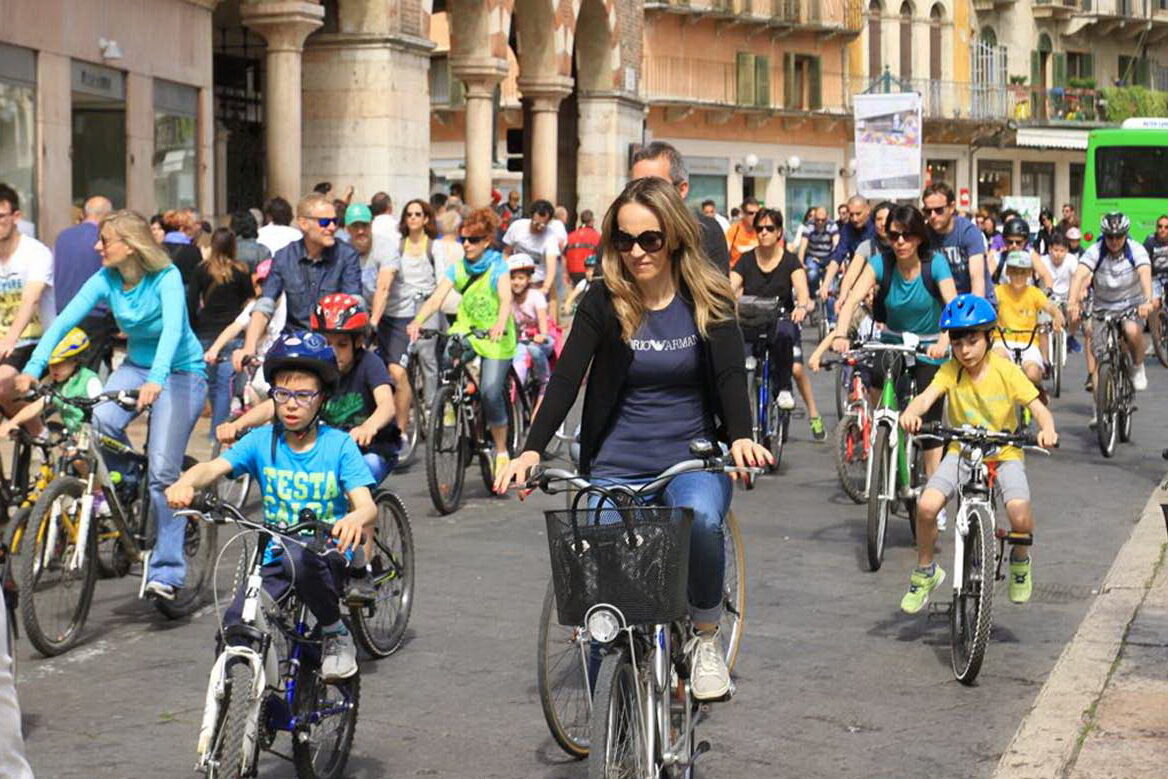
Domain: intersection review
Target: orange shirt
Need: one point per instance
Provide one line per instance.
(741, 239)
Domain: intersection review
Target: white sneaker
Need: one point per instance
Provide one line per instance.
(160, 591)
(942, 521)
(786, 400)
(1094, 423)
(709, 675)
(338, 657)
(1139, 378)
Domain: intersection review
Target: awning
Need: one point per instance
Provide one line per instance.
(1052, 138)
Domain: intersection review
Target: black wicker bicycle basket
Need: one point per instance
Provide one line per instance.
(636, 559)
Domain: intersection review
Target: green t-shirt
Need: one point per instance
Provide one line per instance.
(479, 308)
(84, 383)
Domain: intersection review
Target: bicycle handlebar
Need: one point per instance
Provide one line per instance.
(210, 508)
(548, 480)
(981, 437)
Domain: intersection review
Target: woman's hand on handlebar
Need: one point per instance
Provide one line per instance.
(496, 332)
(748, 454)
(910, 422)
(517, 471)
(23, 383)
(799, 314)
(147, 394)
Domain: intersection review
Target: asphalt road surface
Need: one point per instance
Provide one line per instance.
(833, 681)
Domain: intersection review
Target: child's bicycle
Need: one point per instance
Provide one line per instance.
(58, 561)
(895, 469)
(458, 430)
(1017, 352)
(853, 434)
(235, 491)
(612, 674)
(976, 564)
(266, 678)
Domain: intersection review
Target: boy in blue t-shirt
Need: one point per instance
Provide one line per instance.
(300, 464)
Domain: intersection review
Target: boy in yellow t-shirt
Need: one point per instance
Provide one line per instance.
(1019, 303)
(984, 389)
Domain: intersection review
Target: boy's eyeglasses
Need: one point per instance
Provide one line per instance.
(303, 398)
(650, 240)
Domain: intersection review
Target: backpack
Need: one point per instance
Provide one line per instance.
(879, 312)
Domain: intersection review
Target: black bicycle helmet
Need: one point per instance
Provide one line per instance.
(1016, 225)
(1115, 223)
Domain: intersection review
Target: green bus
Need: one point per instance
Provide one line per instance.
(1127, 170)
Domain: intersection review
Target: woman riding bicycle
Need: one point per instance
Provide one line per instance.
(912, 283)
(769, 271)
(665, 361)
(164, 362)
(483, 279)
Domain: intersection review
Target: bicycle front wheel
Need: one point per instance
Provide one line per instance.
(733, 589)
(227, 750)
(851, 457)
(878, 503)
(1160, 339)
(200, 542)
(778, 422)
(445, 452)
(1105, 397)
(380, 626)
(56, 587)
(1058, 343)
(970, 616)
(418, 419)
(562, 679)
(618, 723)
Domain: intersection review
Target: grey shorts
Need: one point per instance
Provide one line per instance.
(953, 472)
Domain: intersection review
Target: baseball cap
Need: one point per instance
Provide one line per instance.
(1074, 234)
(1019, 260)
(358, 212)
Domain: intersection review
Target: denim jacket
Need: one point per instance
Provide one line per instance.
(304, 282)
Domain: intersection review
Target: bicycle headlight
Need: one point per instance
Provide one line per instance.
(603, 626)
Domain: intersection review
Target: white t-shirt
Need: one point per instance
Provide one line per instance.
(275, 323)
(549, 242)
(31, 261)
(276, 237)
(385, 228)
(1116, 281)
(414, 275)
(1061, 276)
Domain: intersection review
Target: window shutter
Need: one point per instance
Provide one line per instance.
(815, 89)
(1142, 73)
(1035, 68)
(1088, 61)
(790, 99)
(745, 80)
(1060, 69)
(762, 81)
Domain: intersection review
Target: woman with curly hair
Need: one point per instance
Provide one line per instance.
(665, 361)
(484, 281)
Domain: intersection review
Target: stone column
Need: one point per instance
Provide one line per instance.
(545, 96)
(480, 75)
(609, 122)
(140, 143)
(284, 24)
(54, 116)
(222, 135)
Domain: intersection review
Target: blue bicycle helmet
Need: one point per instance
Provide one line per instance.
(966, 312)
(305, 351)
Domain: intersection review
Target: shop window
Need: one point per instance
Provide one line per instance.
(707, 187)
(937, 171)
(18, 125)
(1038, 181)
(176, 121)
(995, 180)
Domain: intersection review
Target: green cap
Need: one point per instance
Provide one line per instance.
(358, 212)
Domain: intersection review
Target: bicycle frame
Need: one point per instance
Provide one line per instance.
(975, 494)
(887, 414)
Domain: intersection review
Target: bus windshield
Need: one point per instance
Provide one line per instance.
(1131, 172)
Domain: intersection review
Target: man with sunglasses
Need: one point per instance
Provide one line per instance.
(304, 271)
(741, 237)
(1120, 272)
(959, 240)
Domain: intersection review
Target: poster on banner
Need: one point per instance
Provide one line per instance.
(888, 145)
(1027, 207)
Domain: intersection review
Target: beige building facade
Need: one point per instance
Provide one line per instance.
(117, 102)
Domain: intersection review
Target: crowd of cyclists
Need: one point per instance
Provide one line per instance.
(298, 335)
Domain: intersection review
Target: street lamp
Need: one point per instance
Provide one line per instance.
(748, 163)
(848, 170)
(790, 166)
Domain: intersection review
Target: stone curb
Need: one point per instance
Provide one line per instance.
(1046, 743)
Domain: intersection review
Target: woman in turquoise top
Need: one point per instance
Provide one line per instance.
(912, 303)
(144, 290)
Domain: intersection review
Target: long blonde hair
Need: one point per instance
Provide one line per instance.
(709, 290)
(133, 228)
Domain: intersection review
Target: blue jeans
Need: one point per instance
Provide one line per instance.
(220, 383)
(540, 365)
(493, 382)
(173, 418)
(708, 494)
(378, 466)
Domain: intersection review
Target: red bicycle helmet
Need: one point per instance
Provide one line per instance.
(340, 313)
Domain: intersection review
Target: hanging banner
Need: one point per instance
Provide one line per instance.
(888, 145)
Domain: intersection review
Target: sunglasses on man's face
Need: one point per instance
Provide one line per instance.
(326, 221)
(650, 240)
(767, 229)
(935, 211)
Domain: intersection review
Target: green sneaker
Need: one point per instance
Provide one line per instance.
(920, 585)
(817, 430)
(1021, 582)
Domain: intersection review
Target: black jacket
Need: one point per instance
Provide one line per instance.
(595, 346)
(714, 243)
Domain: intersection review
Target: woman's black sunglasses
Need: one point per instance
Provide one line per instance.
(650, 240)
